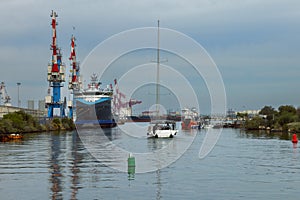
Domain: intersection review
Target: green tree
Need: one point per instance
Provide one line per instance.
(270, 112)
(18, 122)
(287, 109)
(298, 113)
(6, 126)
(287, 114)
(286, 118)
(242, 115)
(56, 123)
(254, 123)
(16, 119)
(68, 123)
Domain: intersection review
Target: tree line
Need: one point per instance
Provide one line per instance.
(20, 122)
(286, 118)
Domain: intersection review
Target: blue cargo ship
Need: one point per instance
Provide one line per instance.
(94, 105)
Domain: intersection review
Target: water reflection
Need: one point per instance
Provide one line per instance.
(57, 164)
(99, 143)
(257, 134)
(76, 159)
(159, 185)
(154, 144)
(55, 177)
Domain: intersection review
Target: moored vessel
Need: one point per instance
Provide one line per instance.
(160, 128)
(189, 119)
(93, 105)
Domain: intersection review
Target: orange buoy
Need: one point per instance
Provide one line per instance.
(294, 138)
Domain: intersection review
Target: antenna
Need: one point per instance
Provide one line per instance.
(157, 73)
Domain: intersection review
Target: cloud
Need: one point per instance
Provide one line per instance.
(251, 40)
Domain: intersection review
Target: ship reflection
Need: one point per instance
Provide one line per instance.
(95, 131)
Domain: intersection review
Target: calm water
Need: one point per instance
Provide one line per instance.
(241, 166)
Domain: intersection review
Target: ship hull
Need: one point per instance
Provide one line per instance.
(188, 124)
(93, 114)
(138, 119)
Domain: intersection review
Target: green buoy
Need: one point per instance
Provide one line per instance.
(131, 165)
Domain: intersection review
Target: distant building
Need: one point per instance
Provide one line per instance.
(10, 109)
(250, 113)
(42, 105)
(30, 104)
(231, 113)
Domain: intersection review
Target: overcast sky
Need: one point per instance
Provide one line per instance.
(254, 43)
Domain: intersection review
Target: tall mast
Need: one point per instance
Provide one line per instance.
(157, 73)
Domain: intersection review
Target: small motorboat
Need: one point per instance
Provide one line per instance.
(162, 129)
(15, 136)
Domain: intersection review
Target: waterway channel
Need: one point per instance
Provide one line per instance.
(242, 165)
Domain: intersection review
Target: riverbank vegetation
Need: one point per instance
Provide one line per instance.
(286, 118)
(21, 122)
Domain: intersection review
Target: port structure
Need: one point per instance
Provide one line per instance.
(122, 108)
(55, 76)
(5, 99)
(74, 78)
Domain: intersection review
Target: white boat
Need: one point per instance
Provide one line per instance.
(162, 129)
(218, 125)
(208, 126)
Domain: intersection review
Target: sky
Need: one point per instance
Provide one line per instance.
(255, 44)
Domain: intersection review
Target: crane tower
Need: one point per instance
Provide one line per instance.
(56, 75)
(121, 107)
(74, 78)
(4, 96)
